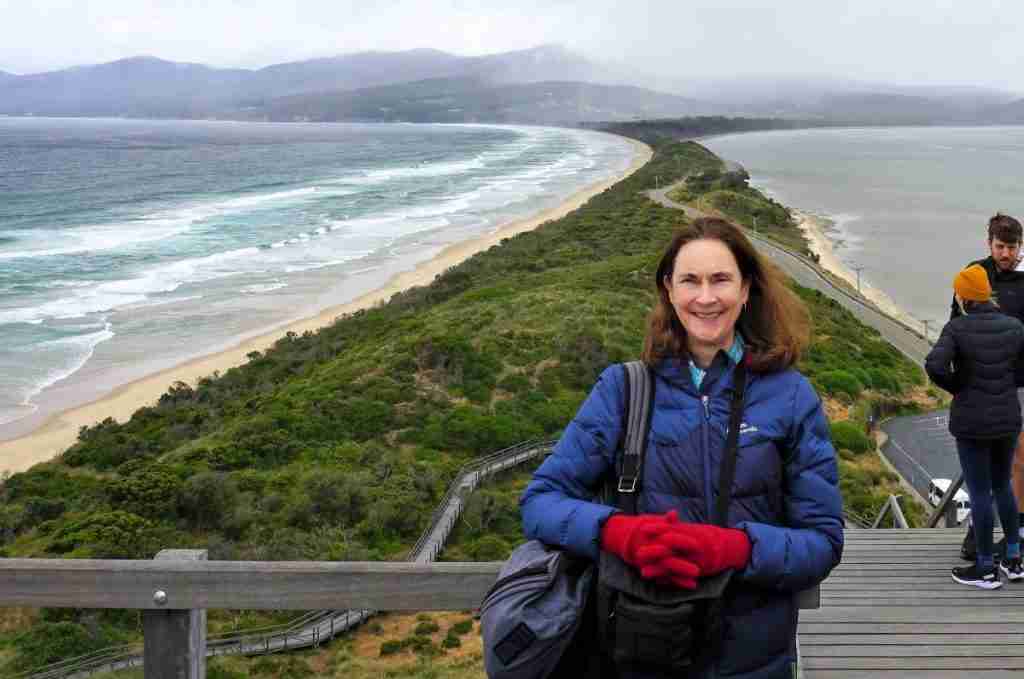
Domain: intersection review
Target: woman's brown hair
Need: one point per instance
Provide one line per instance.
(774, 322)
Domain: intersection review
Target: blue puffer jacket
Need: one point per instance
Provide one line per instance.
(785, 494)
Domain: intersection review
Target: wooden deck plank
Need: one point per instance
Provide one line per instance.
(839, 583)
(1008, 615)
(918, 674)
(891, 609)
(936, 589)
(966, 638)
(966, 665)
(871, 650)
(882, 629)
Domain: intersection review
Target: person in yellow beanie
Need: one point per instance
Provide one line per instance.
(975, 359)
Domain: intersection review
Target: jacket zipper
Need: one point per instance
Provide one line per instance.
(707, 456)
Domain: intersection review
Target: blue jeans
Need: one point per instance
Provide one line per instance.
(986, 464)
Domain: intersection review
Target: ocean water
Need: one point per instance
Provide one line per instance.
(910, 205)
(129, 246)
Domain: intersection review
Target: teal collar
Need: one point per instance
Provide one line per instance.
(735, 355)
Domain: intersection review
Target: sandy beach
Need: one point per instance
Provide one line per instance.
(820, 244)
(61, 430)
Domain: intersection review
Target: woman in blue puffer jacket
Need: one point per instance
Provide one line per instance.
(718, 304)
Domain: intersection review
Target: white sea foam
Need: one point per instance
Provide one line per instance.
(110, 295)
(149, 303)
(94, 238)
(298, 268)
(258, 288)
(157, 226)
(76, 352)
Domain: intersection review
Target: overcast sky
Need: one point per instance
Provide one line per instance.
(902, 41)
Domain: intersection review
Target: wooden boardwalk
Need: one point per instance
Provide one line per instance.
(891, 610)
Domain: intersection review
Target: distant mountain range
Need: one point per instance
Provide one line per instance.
(543, 85)
(478, 100)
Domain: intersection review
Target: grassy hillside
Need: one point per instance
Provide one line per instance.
(717, 191)
(337, 444)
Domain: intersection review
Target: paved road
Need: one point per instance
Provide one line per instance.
(921, 448)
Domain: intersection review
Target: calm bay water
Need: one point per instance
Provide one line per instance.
(910, 205)
(129, 246)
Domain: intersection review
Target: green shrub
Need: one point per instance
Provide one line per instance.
(462, 627)
(836, 381)
(49, 642)
(214, 670)
(423, 646)
(451, 641)
(847, 435)
(426, 627)
(392, 646)
(105, 535)
(151, 492)
(206, 498)
(489, 548)
(883, 380)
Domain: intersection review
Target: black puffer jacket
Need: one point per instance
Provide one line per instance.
(1008, 291)
(975, 360)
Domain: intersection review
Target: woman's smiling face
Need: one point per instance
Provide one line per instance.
(707, 292)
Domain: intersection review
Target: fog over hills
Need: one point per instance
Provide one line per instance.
(547, 84)
(475, 99)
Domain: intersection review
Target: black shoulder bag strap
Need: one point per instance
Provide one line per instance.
(714, 618)
(639, 395)
(732, 437)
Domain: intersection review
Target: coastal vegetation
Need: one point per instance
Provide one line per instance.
(337, 444)
(662, 130)
(726, 192)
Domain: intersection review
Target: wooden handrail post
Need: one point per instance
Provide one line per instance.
(174, 640)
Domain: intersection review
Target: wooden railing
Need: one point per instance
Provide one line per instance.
(947, 508)
(174, 590)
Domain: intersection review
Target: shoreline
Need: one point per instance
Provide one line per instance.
(60, 430)
(814, 229)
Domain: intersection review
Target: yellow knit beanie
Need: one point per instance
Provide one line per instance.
(971, 284)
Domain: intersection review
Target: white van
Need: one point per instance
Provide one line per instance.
(938, 487)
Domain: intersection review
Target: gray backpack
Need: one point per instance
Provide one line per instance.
(529, 617)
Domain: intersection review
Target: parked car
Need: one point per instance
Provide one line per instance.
(938, 487)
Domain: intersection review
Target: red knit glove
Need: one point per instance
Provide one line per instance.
(662, 565)
(711, 548)
(640, 541)
(624, 534)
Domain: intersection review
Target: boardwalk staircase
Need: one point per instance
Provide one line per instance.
(891, 609)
